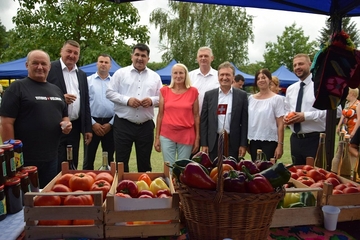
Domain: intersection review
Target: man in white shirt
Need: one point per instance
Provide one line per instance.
(304, 140)
(204, 78)
(134, 90)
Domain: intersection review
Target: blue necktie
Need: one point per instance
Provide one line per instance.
(297, 126)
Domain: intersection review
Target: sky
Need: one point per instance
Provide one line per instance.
(267, 25)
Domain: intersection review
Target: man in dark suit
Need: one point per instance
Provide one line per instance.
(73, 83)
(214, 120)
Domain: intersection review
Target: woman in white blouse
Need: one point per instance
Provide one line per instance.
(266, 112)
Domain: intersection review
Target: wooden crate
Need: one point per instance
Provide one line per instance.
(299, 216)
(96, 212)
(348, 203)
(141, 211)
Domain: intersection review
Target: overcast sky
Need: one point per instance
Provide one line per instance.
(267, 24)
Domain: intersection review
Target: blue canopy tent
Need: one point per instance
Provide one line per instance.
(14, 69)
(91, 68)
(285, 76)
(165, 73)
(249, 79)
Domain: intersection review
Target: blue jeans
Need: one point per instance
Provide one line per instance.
(170, 149)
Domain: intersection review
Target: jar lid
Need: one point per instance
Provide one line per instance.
(17, 143)
(1, 187)
(21, 174)
(7, 147)
(30, 169)
(12, 181)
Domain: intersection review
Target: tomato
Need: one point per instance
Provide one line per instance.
(123, 195)
(333, 181)
(306, 180)
(54, 222)
(289, 116)
(47, 200)
(83, 222)
(78, 199)
(331, 175)
(294, 175)
(105, 176)
(61, 188)
(301, 172)
(145, 177)
(341, 186)
(81, 181)
(350, 190)
(319, 184)
(336, 191)
(292, 169)
(350, 184)
(92, 174)
(323, 171)
(101, 185)
(315, 174)
(64, 179)
(307, 167)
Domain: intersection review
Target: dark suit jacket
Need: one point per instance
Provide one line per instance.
(238, 124)
(56, 77)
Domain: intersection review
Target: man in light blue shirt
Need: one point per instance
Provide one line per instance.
(102, 113)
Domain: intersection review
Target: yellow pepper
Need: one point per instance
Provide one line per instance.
(291, 198)
(142, 185)
(158, 184)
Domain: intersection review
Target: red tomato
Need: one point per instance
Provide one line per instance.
(294, 175)
(61, 188)
(64, 179)
(81, 181)
(300, 172)
(319, 184)
(315, 174)
(341, 186)
(350, 190)
(47, 200)
(83, 222)
(78, 199)
(323, 171)
(333, 181)
(105, 176)
(92, 174)
(307, 167)
(101, 185)
(292, 169)
(306, 180)
(351, 184)
(331, 175)
(336, 191)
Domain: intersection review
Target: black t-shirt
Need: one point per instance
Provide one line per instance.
(38, 108)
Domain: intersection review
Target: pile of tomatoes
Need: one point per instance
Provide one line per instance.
(74, 183)
(315, 177)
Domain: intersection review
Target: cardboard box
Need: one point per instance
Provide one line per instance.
(34, 213)
(141, 217)
(299, 216)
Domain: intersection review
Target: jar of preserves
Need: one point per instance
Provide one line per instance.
(3, 173)
(2, 203)
(9, 158)
(24, 182)
(18, 155)
(13, 195)
(33, 177)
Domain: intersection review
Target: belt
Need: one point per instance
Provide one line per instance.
(137, 123)
(306, 135)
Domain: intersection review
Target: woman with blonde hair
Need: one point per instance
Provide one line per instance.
(275, 84)
(177, 124)
(350, 114)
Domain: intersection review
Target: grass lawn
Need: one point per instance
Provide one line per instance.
(158, 163)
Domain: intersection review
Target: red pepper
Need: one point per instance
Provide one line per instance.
(234, 181)
(145, 192)
(257, 183)
(194, 176)
(202, 158)
(128, 187)
(163, 191)
(250, 165)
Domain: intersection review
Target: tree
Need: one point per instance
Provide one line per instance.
(288, 45)
(99, 26)
(3, 39)
(346, 25)
(188, 26)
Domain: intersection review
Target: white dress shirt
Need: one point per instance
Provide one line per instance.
(128, 82)
(315, 119)
(225, 119)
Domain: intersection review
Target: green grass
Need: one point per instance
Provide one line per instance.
(158, 163)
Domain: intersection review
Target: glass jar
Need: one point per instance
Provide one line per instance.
(13, 195)
(2, 203)
(33, 177)
(9, 158)
(24, 182)
(18, 155)
(3, 173)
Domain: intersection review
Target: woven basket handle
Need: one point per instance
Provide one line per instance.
(223, 148)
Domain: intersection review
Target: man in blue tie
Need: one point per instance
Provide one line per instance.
(308, 122)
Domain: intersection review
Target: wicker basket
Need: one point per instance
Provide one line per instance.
(218, 214)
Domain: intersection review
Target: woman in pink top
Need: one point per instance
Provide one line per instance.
(177, 124)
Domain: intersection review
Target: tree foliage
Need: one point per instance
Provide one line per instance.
(187, 26)
(290, 43)
(346, 25)
(3, 39)
(99, 26)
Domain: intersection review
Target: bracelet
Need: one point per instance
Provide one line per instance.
(281, 143)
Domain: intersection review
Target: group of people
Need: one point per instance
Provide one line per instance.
(57, 102)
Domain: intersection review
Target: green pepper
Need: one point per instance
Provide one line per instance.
(308, 199)
(278, 174)
(297, 204)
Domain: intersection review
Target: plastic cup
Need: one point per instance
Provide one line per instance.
(331, 214)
